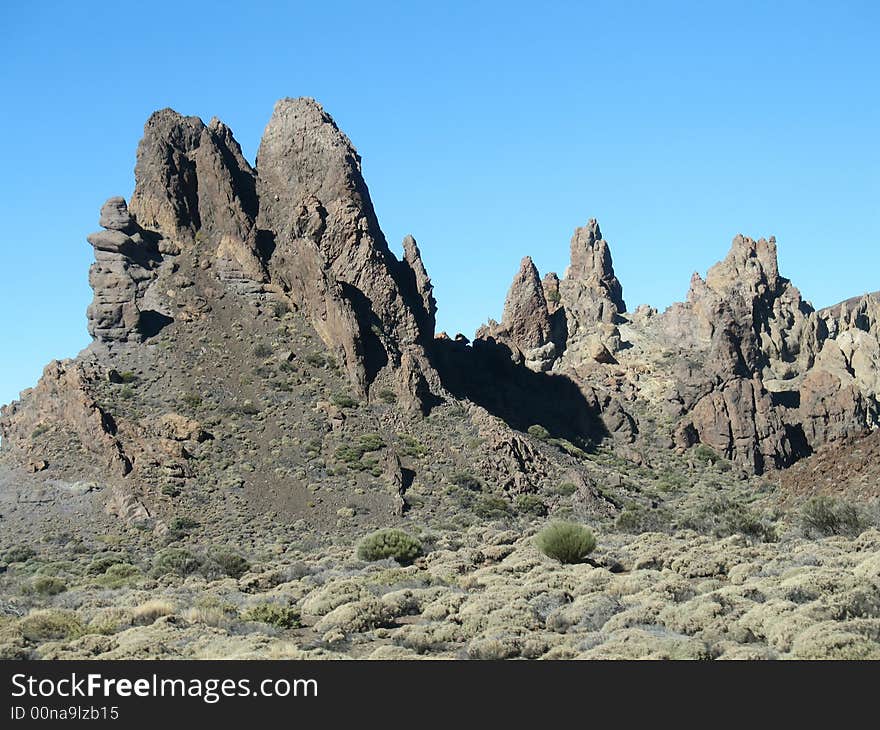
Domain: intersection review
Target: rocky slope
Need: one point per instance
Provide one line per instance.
(265, 383)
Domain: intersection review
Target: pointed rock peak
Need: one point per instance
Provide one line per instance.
(424, 289)
(750, 265)
(525, 309)
(303, 153)
(591, 264)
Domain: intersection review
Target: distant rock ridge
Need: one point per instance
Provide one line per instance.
(744, 367)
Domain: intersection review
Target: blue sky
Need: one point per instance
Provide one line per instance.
(488, 130)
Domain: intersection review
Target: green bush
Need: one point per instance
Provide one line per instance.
(569, 448)
(176, 560)
(343, 400)
(274, 614)
(389, 543)
(192, 400)
(351, 454)
(491, 508)
(539, 432)
(47, 585)
(388, 396)
(118, 575)
(316, 359)
(50, 625)
(223, 561)
(567, 542)
(564, 489)
(830, 516)
(183, 522)
(262, 350)
(19, 554)
(100, 565)
(531, 504)
(128, 377)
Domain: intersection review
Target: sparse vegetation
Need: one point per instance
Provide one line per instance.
(343, 400)
(531, 504)
(390, 543)
(466, 480)
(191, 400)
(539, 432)
(275, 614)
(19, 554)
(262, 350)
(177, 561)
(387, 396)
(567, 542)
(829, 516)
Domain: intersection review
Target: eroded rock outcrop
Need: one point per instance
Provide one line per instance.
(315, 203)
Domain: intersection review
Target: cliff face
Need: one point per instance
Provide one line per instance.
(235, 285)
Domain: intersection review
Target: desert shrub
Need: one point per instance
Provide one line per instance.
(466, 480)
(388, 396)
(99, 565)
(223, 561)
(343, 400)
(148, 612)
(49, 625)
(564, 489)
(169, 490)
(567, 542)
(351, 454)
(389, 543)
(191, 400)
(316, 359)
(553, 296)
(710, 456)
(569, 448)
(262, 350)
(830, 516)
(47, 585)
(39, 431)
(742, 520)
(279, 309)
(183, 522)
(118, 575)
(539, 432)
(19, 554)
(176, 560)
(634, 518)
(491, 508)
(128, 377)
(248, 409)
(412, 447)
(531, 504)
(127, 393)
(274, 614)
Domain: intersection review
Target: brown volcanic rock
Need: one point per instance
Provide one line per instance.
(420, 282)
(525, 311)
(194, 185)
(315, 202)
(848, 468)
(62, 402)
(590, 291)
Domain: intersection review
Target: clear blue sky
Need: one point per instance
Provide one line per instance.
(488, 130)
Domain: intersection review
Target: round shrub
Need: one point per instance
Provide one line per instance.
(539, 432)
(274, 614)
(19, 554)
(47, 585)
(567, 542)
(176, 560)
(223, 561)
(531, 504)
(390, 543)
(47, 625)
